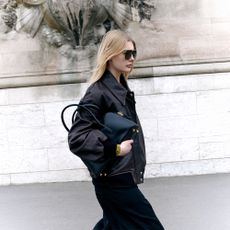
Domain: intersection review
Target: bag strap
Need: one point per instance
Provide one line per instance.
(83, 106)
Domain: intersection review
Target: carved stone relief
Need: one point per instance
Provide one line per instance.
(8, 17)
(78, 23)
(63, 35)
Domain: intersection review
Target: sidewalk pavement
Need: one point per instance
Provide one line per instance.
(181, 203)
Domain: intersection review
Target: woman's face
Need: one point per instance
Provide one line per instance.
(123, 62)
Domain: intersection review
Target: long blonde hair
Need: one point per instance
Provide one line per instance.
(111, 45)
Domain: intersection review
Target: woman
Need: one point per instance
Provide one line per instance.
(124, 206)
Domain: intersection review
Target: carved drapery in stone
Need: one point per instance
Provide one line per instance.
(63, 36)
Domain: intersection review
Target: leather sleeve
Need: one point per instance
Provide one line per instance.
(85, 138)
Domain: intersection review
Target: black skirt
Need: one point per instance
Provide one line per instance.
(124, 208)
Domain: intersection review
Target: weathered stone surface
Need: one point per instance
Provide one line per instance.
(21, 161)
(181, 82)
(216, 147)
(52, 176)
(213, 101)
(62, 159)
(49, 94)
(214, 124)
(176, 32)
(186, 128)
(3, 97)
(26, 138)
(178, 127)
(165, 105)
(191, 83)
(176, 150)
(188, 168)
(23, 116)
(3, 139)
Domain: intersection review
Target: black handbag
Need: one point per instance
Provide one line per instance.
(118, 128)
(114, 125)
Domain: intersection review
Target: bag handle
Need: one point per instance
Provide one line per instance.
(86, 107)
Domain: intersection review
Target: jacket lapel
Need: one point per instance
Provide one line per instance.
(118, 90)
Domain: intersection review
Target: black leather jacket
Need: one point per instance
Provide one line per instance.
(90, 144)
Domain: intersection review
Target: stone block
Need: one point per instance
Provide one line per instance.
(3, 119)
(50, 94)
(213, 150)
(3, 139)
(26, 138)
(215, 101)
(219, 26)
(178, 127)
(187, 168)
(204, 48)
(51, 176)
(53, 136)
(150, 129)
(175, 84)
(142, 86)
(25, 41)
(52, 112)
(215, 147)
(3, 97)
(194, 82)
(145, 107)
(214, 124)
(30, 115)
(152, 170)
(18, 161)
(214, 81)
(165, 105)
(4, 163)
(172, 150)
(167, 9)
(215, 8)
(31, 60)
(63, 159)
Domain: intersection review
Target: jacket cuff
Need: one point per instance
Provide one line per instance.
(110, 149)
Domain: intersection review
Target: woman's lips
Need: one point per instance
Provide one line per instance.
(130, 66)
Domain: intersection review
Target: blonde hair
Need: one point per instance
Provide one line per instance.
(111, 45)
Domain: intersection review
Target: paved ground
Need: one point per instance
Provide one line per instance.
(181, 203)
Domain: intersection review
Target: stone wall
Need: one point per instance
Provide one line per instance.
(179, 32)
(182, 86)
(185, 120)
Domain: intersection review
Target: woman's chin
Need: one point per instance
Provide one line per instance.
(128, 69)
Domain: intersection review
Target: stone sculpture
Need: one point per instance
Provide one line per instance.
(79, 22)
(8, 16)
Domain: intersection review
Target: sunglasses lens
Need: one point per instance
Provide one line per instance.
(129, 53)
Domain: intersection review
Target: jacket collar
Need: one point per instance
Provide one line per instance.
(119, 90)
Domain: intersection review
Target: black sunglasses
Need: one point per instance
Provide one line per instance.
(129, 53)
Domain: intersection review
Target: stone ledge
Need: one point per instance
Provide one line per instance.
(70, 77)
(42, 79)
(181, 69)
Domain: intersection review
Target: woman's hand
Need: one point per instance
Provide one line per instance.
(125, 147)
